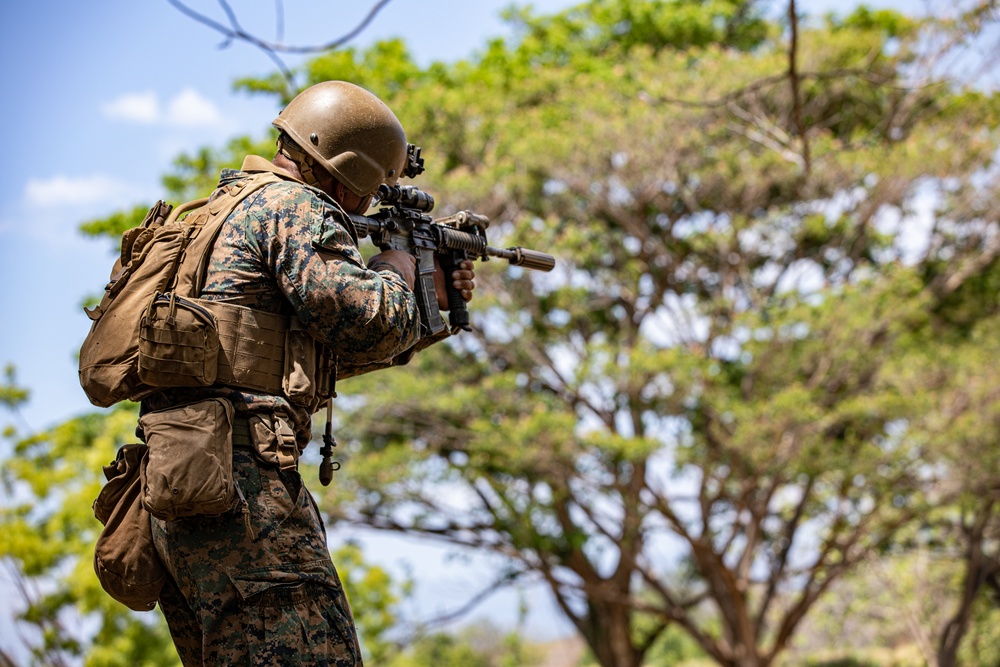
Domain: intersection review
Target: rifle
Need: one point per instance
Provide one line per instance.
(404, 223)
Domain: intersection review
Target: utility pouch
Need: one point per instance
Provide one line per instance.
(189, 470)
(299, 381)
(274, 440)
(178, 343)
(125, 559)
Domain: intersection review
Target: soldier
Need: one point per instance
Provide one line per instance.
(256, 585)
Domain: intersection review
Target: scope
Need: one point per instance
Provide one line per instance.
(405, 196)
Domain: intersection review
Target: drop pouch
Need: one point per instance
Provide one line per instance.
(125, 558)
(189, 469)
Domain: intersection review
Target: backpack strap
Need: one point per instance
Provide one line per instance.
(206, 223)
(182, 209)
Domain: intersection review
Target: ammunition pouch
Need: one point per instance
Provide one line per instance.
(195, 343)
(270, 437)
(178, 343)
(308, 373)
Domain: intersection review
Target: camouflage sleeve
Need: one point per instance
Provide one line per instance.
(347, 369)
(365, 316)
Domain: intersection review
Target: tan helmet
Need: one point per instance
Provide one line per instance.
(349, 132)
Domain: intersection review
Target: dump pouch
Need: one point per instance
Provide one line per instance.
(125, 559)
(178, 343)
(189, 469)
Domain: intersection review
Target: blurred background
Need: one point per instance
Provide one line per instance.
(750, 419)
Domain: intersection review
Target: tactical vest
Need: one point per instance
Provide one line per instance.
(151, 331)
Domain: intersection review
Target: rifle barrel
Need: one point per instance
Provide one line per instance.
(529, 259)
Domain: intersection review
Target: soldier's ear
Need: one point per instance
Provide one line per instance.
(339, 191)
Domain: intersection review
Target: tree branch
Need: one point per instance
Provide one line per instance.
(793, 78)
(235, 32)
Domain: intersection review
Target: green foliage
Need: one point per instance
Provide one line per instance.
(982, 647)
(442, 649)
(11, 394)
(374, 598)
(616, 28)
(885, 21)
(475, 646)
(675, 648)
(49, 532)
(888, 602)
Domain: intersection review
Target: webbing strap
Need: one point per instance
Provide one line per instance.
(206, 225)
(252, 343)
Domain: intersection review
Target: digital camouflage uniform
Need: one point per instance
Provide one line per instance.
(256, 586)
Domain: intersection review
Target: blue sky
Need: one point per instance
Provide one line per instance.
(100, 96)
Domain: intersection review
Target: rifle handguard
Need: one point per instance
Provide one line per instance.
(403, 223)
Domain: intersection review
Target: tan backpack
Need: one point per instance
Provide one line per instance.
(150, 331)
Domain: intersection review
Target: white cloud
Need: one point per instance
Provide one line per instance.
(141, 108)
(76, 191)
(188, 108)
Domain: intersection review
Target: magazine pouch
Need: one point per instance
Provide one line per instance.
(178, 343)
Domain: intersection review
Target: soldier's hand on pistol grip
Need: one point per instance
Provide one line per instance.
(404, 264)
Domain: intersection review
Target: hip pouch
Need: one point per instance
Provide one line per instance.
(125, 559)
(189, 470)
(178, 343)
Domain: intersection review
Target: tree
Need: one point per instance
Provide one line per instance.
(725, 365)
(968, 431)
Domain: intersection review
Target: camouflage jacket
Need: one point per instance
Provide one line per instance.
(289, 249)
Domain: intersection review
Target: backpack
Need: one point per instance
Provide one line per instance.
(149, 330)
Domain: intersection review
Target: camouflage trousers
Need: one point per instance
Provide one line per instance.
(256, 586)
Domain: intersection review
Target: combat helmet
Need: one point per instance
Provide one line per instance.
(347, 131)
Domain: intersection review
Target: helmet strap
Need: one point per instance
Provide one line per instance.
(306, 164)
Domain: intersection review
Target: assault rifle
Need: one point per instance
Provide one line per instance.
(404, 223)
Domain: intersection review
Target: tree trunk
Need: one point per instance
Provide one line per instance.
(977, 570)
(610, 635)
